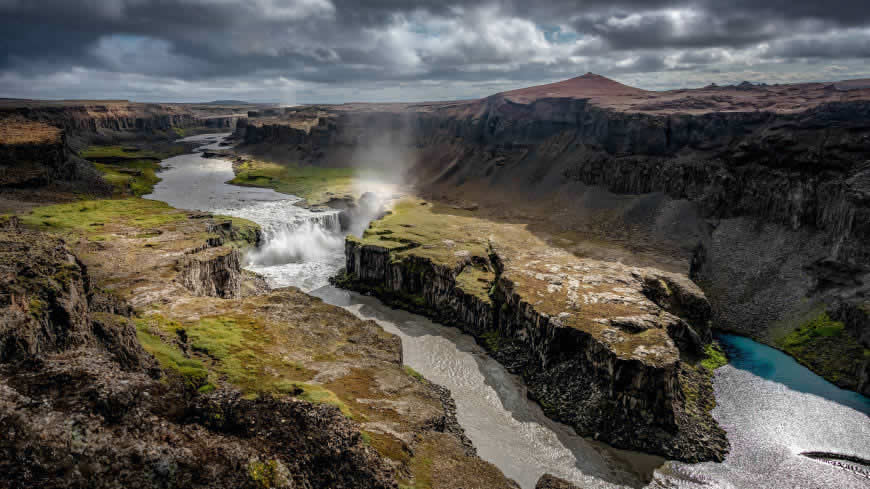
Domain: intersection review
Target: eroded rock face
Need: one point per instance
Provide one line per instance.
(49, 306)
(594, 341)
(81, 403)
(548, 481)
(107, 118)
(213, 272)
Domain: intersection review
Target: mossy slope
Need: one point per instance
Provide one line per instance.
(824, 346)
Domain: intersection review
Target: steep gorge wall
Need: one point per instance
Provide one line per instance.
(627, 402)
(34, 164)
(113, 119)
(806, 170)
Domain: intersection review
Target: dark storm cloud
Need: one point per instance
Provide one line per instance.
(852, 45)
(340, 42)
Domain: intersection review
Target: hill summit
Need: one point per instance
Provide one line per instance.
(584, 86)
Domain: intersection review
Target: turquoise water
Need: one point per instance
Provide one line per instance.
(772, 364)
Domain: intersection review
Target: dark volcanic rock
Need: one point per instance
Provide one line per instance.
(548, 481)
(81, 403)
(638, 397)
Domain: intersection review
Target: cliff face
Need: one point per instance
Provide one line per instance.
(221, 122)
(50, 307)
(214, 272)
(106, 118)
(34, 161)
(616, 378)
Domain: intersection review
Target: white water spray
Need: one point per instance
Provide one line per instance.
(312, 240)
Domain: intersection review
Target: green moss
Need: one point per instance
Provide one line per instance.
(315, 394)
(414, 229)
(36, 307)
(131, 177)
(821, 326)
(223, 349)
(477, 282)
(244, 232)
(238, 352)
(267, 474)
(825, 347)
(421, 468)
(89, 217)
(413, 373)
(100, 152)
(493, 340)
(170, 358)
(313, 183)
(714, 357)
(216, 337)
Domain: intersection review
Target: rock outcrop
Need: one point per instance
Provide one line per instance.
(548, 481)
(32, 154)
(49, 305)
(82, 404)
(221, 122)
(213, 272)
(600, 345)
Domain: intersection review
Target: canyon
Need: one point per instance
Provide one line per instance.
(700, 181)
(591, 237)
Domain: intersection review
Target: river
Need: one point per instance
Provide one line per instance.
(770, 419)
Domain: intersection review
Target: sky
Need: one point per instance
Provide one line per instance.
(331, 51)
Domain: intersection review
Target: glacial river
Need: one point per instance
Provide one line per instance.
(772, 408)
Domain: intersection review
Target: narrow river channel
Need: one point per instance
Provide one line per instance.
(770, 418)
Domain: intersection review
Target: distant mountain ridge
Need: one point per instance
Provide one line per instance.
(229, 102)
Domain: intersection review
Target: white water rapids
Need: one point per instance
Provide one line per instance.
(768, 422)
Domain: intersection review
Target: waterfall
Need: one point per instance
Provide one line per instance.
(308, 238)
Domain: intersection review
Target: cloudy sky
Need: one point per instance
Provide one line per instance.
(302, 51)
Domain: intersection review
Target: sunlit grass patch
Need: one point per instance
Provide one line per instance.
(171, 359)
(89, 217)
(312, 183)
(313, 393)
(131, 177)
(414, 228)
(235, 350)
(476, 281)
(106, 152)
(413, 373)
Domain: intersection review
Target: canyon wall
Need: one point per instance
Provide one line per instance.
(112, 120)
(581, 375)
(34, 163)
